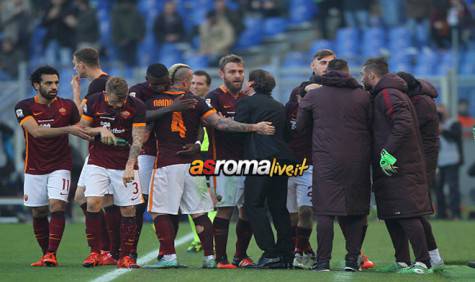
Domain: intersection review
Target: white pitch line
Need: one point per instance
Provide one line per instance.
(109, 276)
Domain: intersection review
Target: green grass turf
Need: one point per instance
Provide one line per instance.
(19, 249)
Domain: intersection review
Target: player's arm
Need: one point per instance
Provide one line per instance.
(107, 137)
(180, 104)
(227, 124)
(32, 127)
(138, 132)
(76, 87)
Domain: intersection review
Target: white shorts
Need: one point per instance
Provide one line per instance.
(100, 181)
(82, 176)
(173, 189)
(38, 189)
(299, 191)
(229, 190)
(146, 163)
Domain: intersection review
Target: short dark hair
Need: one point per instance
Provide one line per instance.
(35, 76)
(88, 56)
(411, 81)
(338, 65)
(377, 65)
(323, 53)
(118, 86)
(157, 70)
(205, 74)
(231, 58)
(263, 80)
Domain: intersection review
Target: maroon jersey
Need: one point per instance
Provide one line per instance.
(143, 92)
(119, 122)
(45, 155)
(97, 85)
(224, 145)
(300, 142)
(176, 129)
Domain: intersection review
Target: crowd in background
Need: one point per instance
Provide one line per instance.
(72, 24)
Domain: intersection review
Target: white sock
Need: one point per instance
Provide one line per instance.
(435, 257)
(169, 257)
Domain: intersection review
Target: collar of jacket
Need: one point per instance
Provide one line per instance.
(337, 79)
(390, 80)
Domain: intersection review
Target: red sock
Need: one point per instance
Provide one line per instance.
(56, 229)
(140, 209)
(293, 236)
(93, 229)
(244, 236)
(206, 235)
(220, 232)
(84, 211)
(303, 244)
(112, 223)
(128, 232)
(175, 221)
(105, 234)
(165, 234)
(41, 230)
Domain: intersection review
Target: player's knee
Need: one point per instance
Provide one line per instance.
(305, 216)
(242, 214)
(225, 213)
(94, 204)
(79, 197)
(107, 201)
(128, 211)
(38, 212)
(57, 205)
(294, 219)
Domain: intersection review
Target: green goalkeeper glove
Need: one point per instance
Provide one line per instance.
(387, 162)
(121, 142)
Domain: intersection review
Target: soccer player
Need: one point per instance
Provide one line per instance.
(156, 81)
(111, 115)
(47, 120)
(87, 65)
(422, 95)
(200, 85)
(229, 190)
(399, 176)
(299, 195)
(176, 116)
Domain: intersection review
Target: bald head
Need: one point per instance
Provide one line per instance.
(181, 76)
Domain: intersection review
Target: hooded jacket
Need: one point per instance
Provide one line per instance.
(395, 128)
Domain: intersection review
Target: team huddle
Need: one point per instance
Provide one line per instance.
(143, 139)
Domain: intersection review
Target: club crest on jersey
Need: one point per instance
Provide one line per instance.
(62, 111)
(125, 114)
(19, 113)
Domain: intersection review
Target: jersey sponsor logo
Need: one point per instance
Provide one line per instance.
(62, 111)
(19, 113)
(117, 131)
(108, 118)
(125, 114)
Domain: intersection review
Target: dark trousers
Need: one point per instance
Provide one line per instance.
(258, 191)
(401, 230)
(431, 244)
(448, 175)
(352, 228)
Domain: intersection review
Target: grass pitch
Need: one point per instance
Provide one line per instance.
(19, 249)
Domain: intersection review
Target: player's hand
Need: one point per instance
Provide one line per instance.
(189, 149)
(264, 128)
(80, 132)
(107, 137)
(128, 175)
(183, 103)
(312, 86)
(76, 85)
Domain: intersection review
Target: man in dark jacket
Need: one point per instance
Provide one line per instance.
(422, 95)
(340, 110)
(399, 176)
(259, 190)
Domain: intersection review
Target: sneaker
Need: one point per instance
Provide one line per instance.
(366, 263)
(352, 266)
(245, 262)
(303, 261)
(49, 259)
(166, 261)
(107, 259)
(127, 262)
(92, 260)
(209, 262)
(38, 263)
(223, 263)
(417, 268)
(323, 266)
(195, 247)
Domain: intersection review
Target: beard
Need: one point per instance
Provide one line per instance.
(367, 87)
(48, 95)
(231, 87)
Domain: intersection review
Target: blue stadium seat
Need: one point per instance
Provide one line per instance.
(295, 59)
(196, 61)
(320, 44)
(302, 11)
(274, 26)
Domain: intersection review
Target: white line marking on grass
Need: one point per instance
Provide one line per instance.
(109, 276)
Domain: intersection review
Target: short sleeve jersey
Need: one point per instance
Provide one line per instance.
(143, 92)
(97, 85)
(176, 129)
(224, 145)
(119, 121)
(45, 155)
